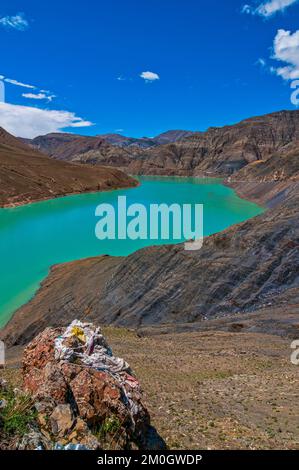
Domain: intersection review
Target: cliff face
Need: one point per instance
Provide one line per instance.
(224, 151)
(27, 175)
(218, 151)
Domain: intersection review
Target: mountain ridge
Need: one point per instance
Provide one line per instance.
(51, 142)
(26, 175)
(219, 151)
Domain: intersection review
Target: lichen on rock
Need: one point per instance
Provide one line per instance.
(84, 394)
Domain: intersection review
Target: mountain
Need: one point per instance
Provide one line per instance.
(74, 148)
(171, 136)
(222, 151)
(51, 142)
(69, 146)
(244, 278)
(219, 151)
(78, 148)
(146, 142)
(27, 175)
(125, 142)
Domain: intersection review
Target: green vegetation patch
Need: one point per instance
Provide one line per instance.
(16, 412)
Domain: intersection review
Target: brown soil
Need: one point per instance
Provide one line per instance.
(214, 390)
(27, 175)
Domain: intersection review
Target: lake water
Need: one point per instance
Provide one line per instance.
(36, 236)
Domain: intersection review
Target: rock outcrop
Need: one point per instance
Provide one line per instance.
(83, 395)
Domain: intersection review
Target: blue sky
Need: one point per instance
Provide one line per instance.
(211, 63)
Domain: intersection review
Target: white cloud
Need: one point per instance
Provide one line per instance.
(286, 49)
(50, 97)
(261, 62)
(76, 121)
(38, 96)
(247, 9)
(269, 8)
(33, 96)
(25, 121)
(15, 82)
(18, 22)
(149, 76)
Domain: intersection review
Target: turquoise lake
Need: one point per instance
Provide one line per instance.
(36, 236)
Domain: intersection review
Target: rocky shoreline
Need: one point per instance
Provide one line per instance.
(13, 205)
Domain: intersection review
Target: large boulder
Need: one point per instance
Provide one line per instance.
(84, 394)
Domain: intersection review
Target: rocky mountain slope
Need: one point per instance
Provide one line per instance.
(49, 143)
(223, 151)
(218, 151)
(71, 147)
(169, 137)
(27, 175)
(55, 144)
(122, 141)
(146, 142)
(250, 266)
